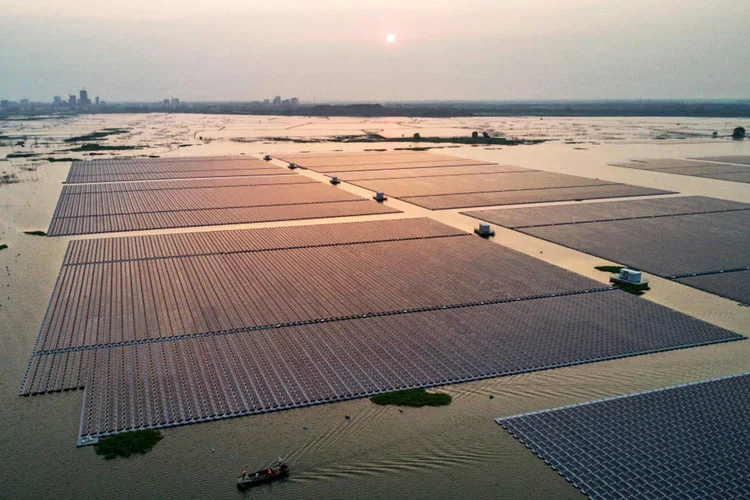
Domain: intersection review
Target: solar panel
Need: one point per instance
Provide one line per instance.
(689, 441)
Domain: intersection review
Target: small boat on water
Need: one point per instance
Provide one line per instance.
(271, 473)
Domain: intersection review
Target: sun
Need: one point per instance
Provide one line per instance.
(390, 38)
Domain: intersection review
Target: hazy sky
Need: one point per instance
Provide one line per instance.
(336, 49)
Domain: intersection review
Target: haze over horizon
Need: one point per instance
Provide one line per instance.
(336, 50)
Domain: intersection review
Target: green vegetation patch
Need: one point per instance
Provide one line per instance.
(376, 138)
(95, 136)
(52, 160)
(3, 246)
(127, 443)
(35, 233)
(412, 397)
(609, 269)
(21, 155)
(99, 147)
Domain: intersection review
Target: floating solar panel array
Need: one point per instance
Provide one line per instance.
(436, 183)
(173, 329)
(358, 162)
(157, 205)
(688, 441)
(695, 168)
(410, 173)
(138, 169)
(687, 239)
(739, 159)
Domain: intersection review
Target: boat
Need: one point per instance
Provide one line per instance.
(271, 473)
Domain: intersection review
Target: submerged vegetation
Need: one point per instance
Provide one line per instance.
(375, 138)
(8, 178)
(127, 443)
(95, 136)
(99, 147)
(412, 397)
(21, 155)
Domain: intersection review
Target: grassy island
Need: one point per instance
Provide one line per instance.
(369, 138)
(95, 136)
(100, 147)
(127, 443)
(412, 397)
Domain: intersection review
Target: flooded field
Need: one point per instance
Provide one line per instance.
(379, 452)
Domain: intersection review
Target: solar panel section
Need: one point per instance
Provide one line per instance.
(676, 238)
(214, 217)
(251, 240)
(201, 203)
(734, 285)
(736, 173)
(137, 300)
(139, 168)
(606, 211)
(167, 185)
(688, 441)
(450, 201)
(317, 161)
(185, 381)
(408, 173)
(667, 246)
(466, 184)
(740, 159)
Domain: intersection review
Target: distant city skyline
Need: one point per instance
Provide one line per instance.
(332, 50)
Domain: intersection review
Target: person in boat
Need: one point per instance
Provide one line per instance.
(244, 472)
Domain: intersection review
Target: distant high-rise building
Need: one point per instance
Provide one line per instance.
(294, 101)
(4, 104)
(97, 100)
(84, 100)
(72, 100)
(266, 101)
(175, 102)
(165, 102)
(57, 100)
(277, 100)
(24, 102)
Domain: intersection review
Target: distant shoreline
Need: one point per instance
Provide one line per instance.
(701, 109)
